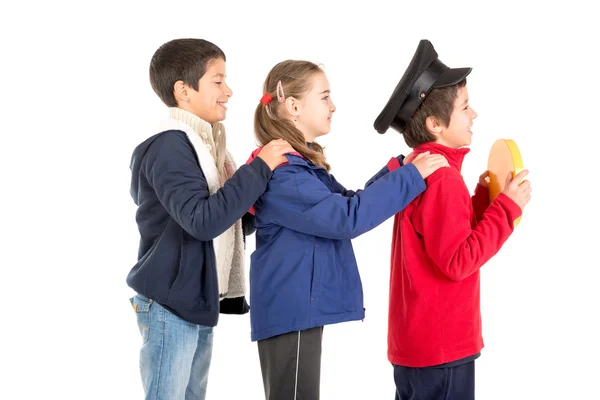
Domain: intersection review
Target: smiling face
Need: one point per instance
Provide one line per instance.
(458, 133)
(209, 102)
(315, 109)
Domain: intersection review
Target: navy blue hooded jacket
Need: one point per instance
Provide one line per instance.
(178, 219)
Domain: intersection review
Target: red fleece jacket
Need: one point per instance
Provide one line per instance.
(440, 242)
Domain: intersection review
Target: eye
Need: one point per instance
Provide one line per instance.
(326, 98)
(218, 83)
(466, 107)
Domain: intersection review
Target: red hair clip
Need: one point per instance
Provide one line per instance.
(266, 99)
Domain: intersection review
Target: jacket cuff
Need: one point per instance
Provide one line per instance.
(261, 168)
(236, 305)
(480, 188)
(482, 194)
(512, 209)
(393, 164)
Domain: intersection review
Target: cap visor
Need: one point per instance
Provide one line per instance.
(451, 77)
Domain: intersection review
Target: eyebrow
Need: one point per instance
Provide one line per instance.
(219, 76)
(325, 91)
(465, 102)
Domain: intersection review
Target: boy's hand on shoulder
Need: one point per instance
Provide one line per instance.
(427, 163)
(273, 154)
(518, 189)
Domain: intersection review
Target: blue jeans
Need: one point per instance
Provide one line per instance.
(175, 354)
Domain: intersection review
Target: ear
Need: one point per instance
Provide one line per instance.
(433, 126)
(180, 92)
(293, 106)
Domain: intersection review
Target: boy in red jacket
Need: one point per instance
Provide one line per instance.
(442, 238)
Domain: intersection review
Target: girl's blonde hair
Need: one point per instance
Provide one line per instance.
(296, 79)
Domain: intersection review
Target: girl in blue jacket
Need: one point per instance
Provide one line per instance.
(303, 274)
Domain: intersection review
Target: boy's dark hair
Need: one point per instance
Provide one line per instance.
(180, 60)
(439, 103)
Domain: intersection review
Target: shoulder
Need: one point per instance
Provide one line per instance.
(166, 151)
(446, 180)
(287, 170)
(171, 137)
(284, 177)
(444, 175)
(297, 182)
(171, 143)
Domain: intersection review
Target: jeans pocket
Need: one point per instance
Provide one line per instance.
(141, 306)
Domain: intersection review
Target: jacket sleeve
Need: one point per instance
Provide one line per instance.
(172, 170)
(298, 200)
(248, 226)
(394, 163)
(236, 305)
(339, 188)
(481, 201)
(443, 219)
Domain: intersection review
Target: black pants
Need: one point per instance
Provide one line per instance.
(453, 383)
(291, 365)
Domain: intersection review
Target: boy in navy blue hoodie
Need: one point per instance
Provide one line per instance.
(191, 218)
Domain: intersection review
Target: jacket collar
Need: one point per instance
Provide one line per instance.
(455, 157)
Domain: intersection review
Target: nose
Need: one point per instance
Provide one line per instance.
(474, 114)
(332, 107)
(228, 91)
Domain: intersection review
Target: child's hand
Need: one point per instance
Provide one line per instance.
(274, 152)
(518, 189)
(484, 179)
(427, 163)
(408, 158)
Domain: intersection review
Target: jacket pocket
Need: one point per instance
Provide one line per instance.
(195, 286)
(141, 307)
(314, 274)
(179, 263)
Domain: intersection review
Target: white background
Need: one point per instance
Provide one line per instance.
(76, 101)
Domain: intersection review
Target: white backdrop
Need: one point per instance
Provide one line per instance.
(76, 101)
